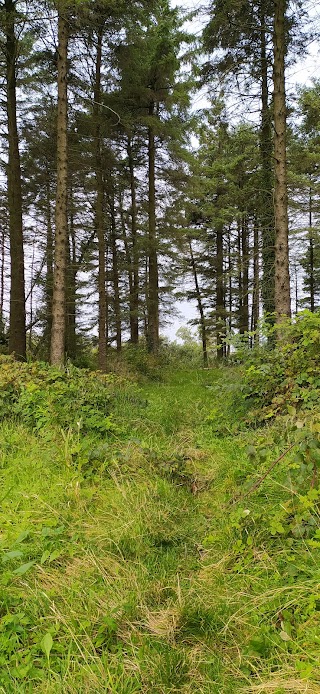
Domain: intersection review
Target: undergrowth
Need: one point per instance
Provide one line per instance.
(288, 374)
(146, 555)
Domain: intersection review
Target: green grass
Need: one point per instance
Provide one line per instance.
(131, 571)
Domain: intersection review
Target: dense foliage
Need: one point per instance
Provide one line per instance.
(286, 376)
(42, 397)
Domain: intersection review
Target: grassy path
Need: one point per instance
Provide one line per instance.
(127, 572)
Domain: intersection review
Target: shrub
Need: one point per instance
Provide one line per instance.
(289, 374)
(141, 363)
(42, 396)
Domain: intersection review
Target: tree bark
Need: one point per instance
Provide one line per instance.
(255, 289)
(239, 267)
(2, 256)
(244, 317)
(220, 298)
(144, 306)
(115, 271)
(49, 265)
(129, 260)
(61, 231)
(267, 212)
(153, 275)
(203, 328)
(99, 212)
(17, 331)
(296, 292)
(311, 257)
(134, 294)
(230, 292)
(32, 284)
(71, 339)
(282, 278)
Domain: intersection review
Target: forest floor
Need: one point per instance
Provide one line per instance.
(147, 572)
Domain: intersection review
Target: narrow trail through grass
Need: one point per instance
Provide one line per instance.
(129, 572)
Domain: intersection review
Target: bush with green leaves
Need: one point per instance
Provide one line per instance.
(152, 367)
(42, 396)
(140, 363)
(289, 373)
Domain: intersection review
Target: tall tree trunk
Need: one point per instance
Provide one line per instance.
(2, 260)
(203, 328)
(128, 249)
(32, 284)
(282, 278)
(49, 264)
(129, 262)
(99, 212)
(134, 295)
(106, 260)
(230, 292)
(61, 232)
(244, 318)
(267, 211)
(239, 265)
(153, 283)
(296, 287)
(115, 273)
(145, 303)
(255, 289)
(71, 340)
(311, 256)
(17, 332)
(220, 298)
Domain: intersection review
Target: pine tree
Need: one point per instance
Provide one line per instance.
(225, 192)
(282, 278)
(240, 33)
(57, 350)
(153, 90)
(304, 177)
(17, 331)
(99, 207)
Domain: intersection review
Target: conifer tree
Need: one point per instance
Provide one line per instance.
(153, 51)
(304, 177)
(17, 330)
(282, 277)
(99, 207)
(225, 204)
(241, 34)
(57, 349)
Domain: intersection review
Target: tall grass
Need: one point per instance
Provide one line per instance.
(135, 561)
